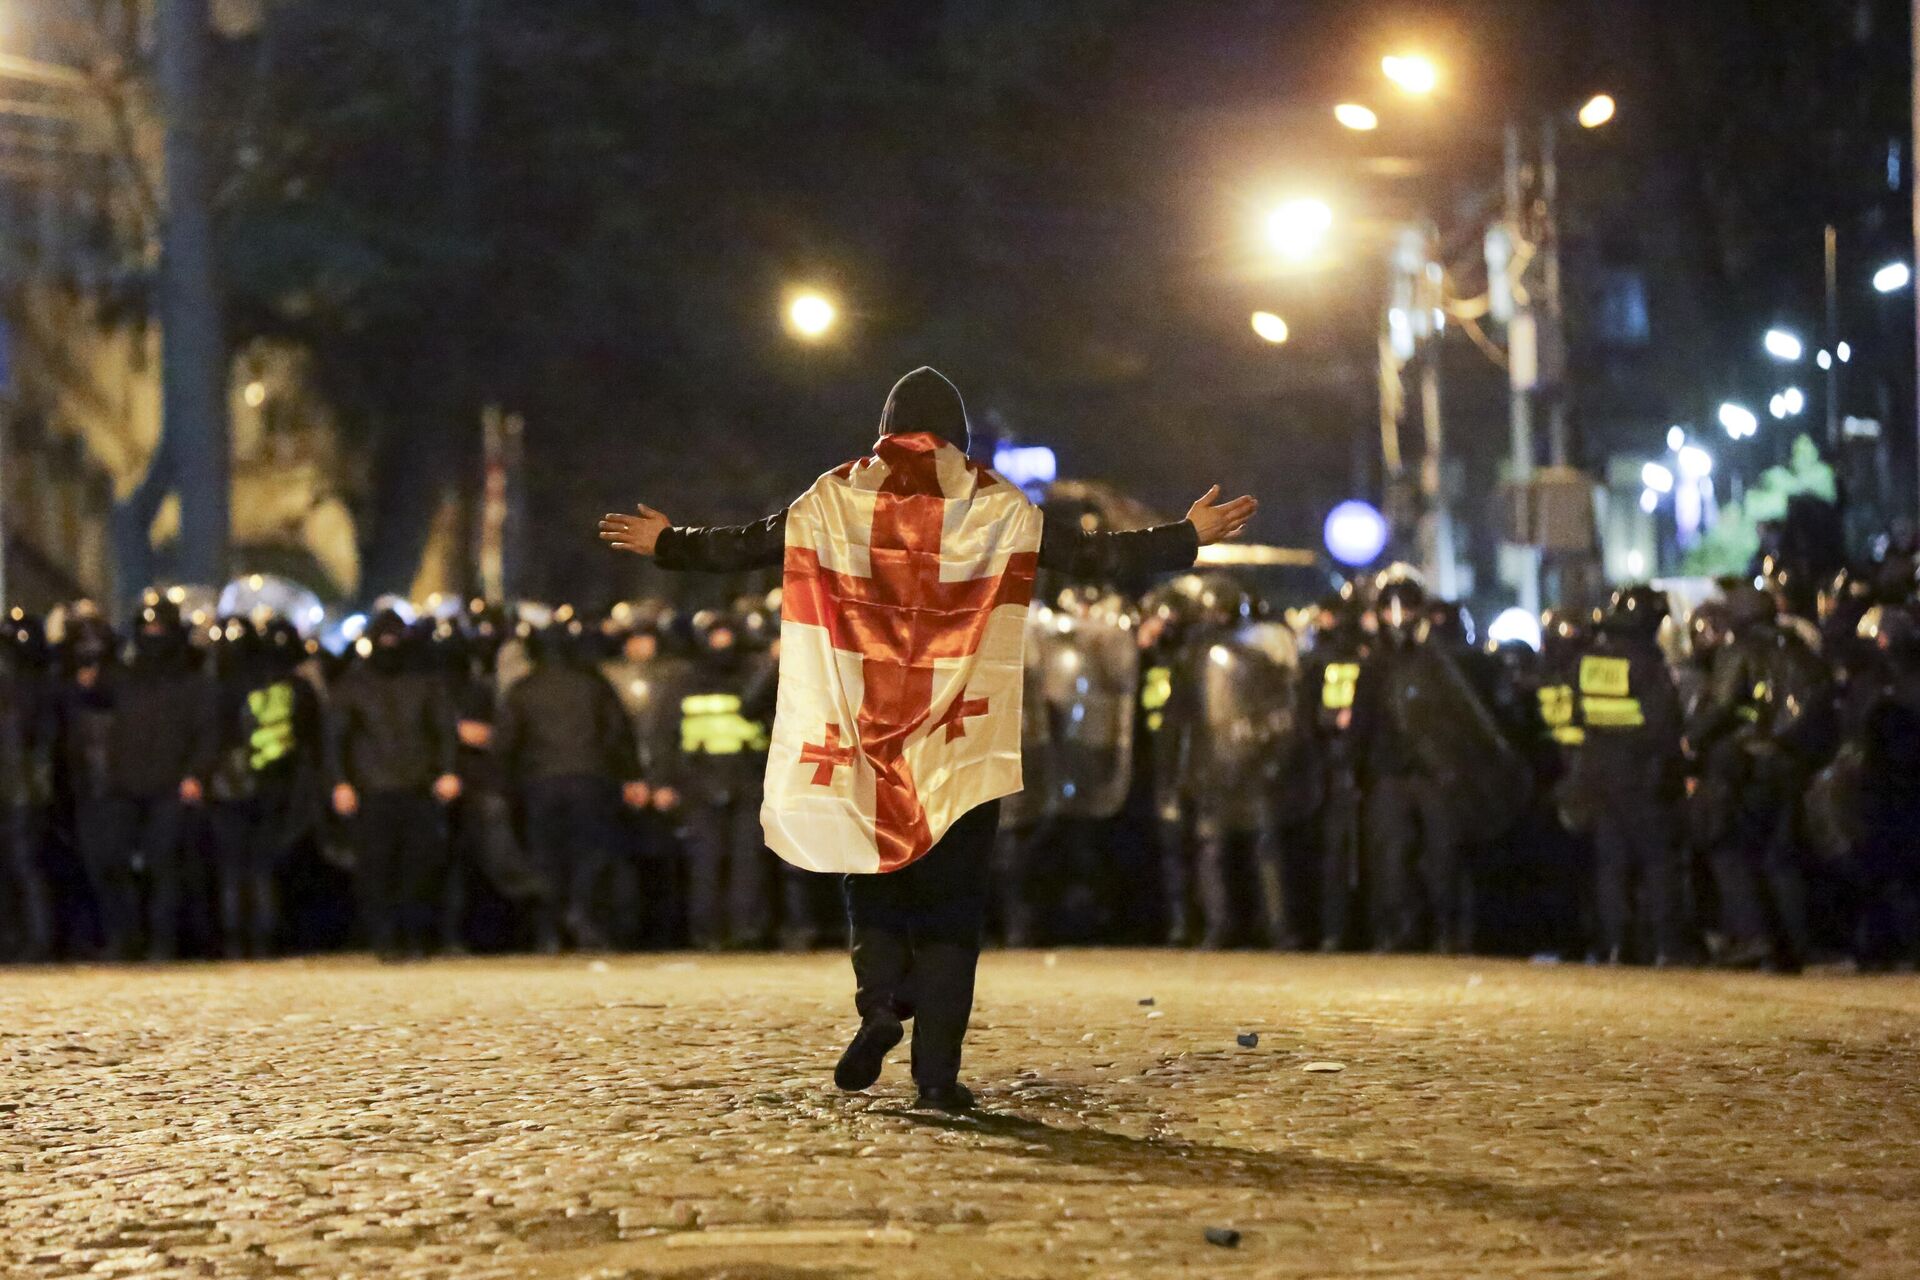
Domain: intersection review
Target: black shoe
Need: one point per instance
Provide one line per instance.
(860, 1064)
(954, 1099)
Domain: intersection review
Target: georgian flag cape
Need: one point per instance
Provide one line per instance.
(907, 579)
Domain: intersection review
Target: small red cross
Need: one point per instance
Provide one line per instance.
(957, 713)
(829, 755)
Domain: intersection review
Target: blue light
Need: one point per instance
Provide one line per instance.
(1355, 534)
(1026, 466)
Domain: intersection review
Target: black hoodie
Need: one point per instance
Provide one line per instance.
(924, 401)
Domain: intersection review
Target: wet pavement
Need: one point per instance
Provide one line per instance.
(673, 1116)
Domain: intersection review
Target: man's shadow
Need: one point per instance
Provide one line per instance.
(1578, 1208)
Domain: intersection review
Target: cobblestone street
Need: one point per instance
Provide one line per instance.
(673, 1116)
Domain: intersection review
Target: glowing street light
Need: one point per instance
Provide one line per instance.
(1649, 501)
(1695, 463)
(1794, 400)
(1270, 327)
(1598, 110)
(1657, 478)
(1299, 227)
(1411, 73)
(1738, 421)
(1782, 345)
(1676, 436)
(1844, 351)
(1354, 116)
(1893, 277)
(810, 315)
(1824, 360)
(1777, 406)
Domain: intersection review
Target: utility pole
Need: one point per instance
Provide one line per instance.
(1914, 184)
(1553, 347)
(1523, 373)
(193, 345)
(1832, 259)
(1437, 513)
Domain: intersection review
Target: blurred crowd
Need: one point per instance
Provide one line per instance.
(1728, 781)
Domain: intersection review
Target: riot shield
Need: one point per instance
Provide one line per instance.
(1242, 724)
(1459, 744)
(1083, 677)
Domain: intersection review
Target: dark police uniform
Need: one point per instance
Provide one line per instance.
(565, 744)
(1630, 715)
(1333, 680)
(723, 769)
(390, 735)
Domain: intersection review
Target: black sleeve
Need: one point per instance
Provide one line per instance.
(1659, 702)
(616, 732)
(444, 725)
(204, 734)
(1077, 553)
(338, 716)
(724, 548)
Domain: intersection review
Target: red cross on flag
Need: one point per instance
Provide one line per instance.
(905, 601)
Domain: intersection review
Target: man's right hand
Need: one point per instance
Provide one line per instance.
(1218, 522)
(346, 801)
(635, 534)
(665, 799)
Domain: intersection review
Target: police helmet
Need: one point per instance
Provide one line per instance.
(1891, 629)
(1708, 628)
(1638, 610)
(1400, 601)
(1748, 605)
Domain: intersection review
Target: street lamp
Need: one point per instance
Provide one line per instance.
(1695, 463)
(1657, 478)
(1270, 327)
(1738, 421)
(1352, 115)
(1893, 277)
(1299, 227)
(810, 315)
(1782, 345)
(1598, 110)
(1411, 73)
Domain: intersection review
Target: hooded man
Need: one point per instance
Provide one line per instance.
(907, 575)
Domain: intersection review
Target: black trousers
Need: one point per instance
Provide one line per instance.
(570, 823)
(1756, 866)
(1232, 868)
(26, 900)
(728, 871)
(1408, 828)
(400, 839)
(1340, 858)
(1637, 878)
(249, 839)
(120, 837)
(916, 941)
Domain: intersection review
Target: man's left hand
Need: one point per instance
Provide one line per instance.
(446, 788)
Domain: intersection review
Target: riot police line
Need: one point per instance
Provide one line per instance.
(1726, 787)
